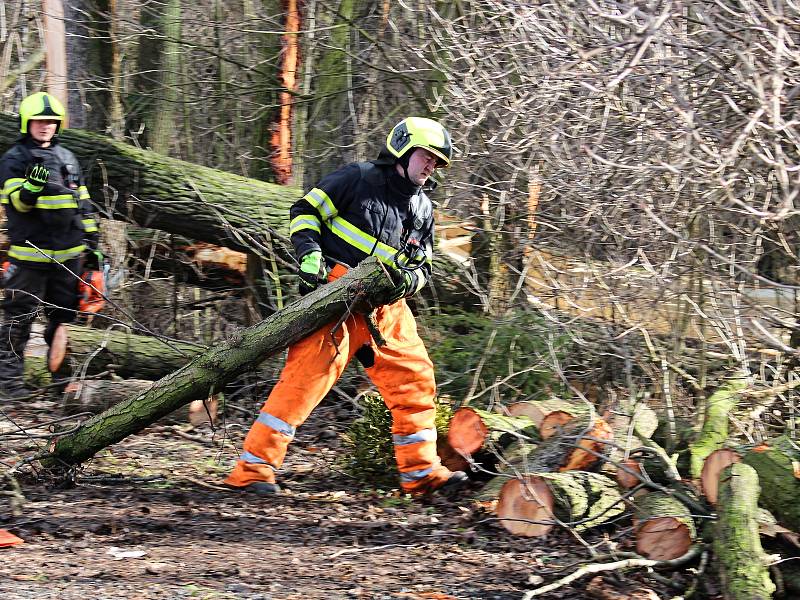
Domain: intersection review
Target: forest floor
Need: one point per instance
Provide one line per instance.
(148, 518)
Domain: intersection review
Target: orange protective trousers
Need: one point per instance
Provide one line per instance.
(402, 372)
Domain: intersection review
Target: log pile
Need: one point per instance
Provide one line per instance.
(559, 463)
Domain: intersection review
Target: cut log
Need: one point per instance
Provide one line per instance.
(526, 507)
(714, 464)
(579, 499)
(92, 351)
(358, 290)
(780, 488)
(714, 432)
(472, 429)
(630, 425)
(537, 410)
(664, 527)
(743, 570)
(449, 457)
(628, 474)
(95, 396)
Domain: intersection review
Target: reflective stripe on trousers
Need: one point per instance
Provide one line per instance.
(403, 374)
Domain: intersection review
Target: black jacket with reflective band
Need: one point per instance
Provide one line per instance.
(362, 210)
(59, 221)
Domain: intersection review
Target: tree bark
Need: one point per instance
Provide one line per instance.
(93, 351)
(360, 288)
(774, 462)
(715, 426)
(175, 196)
(742, 562)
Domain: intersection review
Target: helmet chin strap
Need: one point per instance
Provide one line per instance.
(403, 162)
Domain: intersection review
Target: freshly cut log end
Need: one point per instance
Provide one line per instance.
(663, 538)
(590, 445)
(629, 480)
(449, 457)
(712, 467)
(663, 525)
(525, 507)
(536, 410)
(553, 422)
(58, 349)
(467, 432)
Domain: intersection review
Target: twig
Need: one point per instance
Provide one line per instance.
(628, 563)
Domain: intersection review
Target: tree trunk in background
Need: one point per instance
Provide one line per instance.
(328, 111)
(165, 110)
(264, 53)
(56, 76)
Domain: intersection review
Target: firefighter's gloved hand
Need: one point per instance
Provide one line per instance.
(402, 286)
(310, 266)
(93, 259)
(36, 177)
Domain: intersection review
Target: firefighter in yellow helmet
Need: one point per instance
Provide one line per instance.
(51, 225)
(377, 208)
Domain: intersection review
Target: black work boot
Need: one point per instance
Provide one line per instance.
(260, 488)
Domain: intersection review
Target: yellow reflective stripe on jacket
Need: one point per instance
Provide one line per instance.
(364, 241)
(13, 184)
(17, 202)
(301, 222)
(44, 255)
(83, 193)
(56, 202)
(89, 225)
(320, 200)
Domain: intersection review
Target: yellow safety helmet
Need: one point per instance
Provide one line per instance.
(419, 132)
(39, 106)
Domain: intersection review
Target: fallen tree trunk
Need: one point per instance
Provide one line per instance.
(775, 464)
(95, 396)
(742, 562)
(366, 285)
(664, 526)
(91, 351)
(164, 193)
(715, 425)
(527, 505)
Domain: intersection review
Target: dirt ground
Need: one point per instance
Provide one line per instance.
(147, 518)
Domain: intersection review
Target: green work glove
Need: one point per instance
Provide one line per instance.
(36, 177)
(310, 266)
(93, 259)
(402, 287)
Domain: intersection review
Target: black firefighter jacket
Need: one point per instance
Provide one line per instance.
(58, 221)
(362, 210)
